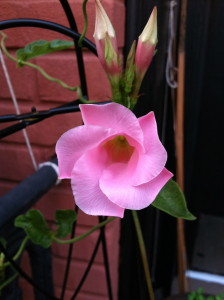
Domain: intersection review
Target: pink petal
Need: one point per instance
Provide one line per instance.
(85, 186)
(149, 128)
(113, 115)
(115, 184)
(143, 58)
(152, 162)
(73, 143)
(100, 44)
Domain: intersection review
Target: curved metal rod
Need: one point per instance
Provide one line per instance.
(12, 23)
(88, 268)
(38, 116)
(106, 259)
(69, 258)
(23, 274)
(79, 53)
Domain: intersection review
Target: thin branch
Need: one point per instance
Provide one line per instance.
(141, 244)
(39, 69)
(82, 236)
(19, 252)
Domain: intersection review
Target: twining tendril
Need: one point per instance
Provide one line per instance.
(6, 264)
(19, 252)
(9, 280)
(77, 89)
(84, 4)
(82, 236)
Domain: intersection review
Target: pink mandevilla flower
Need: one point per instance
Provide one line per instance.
(115, 160)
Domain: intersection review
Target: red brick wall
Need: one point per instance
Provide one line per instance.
(33, 90)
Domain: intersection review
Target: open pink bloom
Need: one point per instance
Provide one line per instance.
(115, 161)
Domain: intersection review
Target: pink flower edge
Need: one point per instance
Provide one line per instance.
(105, 182)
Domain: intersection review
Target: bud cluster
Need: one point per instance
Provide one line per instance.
(125, 81)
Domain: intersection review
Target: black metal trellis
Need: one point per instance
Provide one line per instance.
(73, 25)
(14, 23)
(35, 116)
(46, 174)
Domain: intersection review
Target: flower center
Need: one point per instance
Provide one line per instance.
(118, 149)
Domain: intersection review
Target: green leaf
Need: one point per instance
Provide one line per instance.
(64, 221)
(35, 227)
(2, 268)
(200, 291)
(191, 296)
(129, 74)
(171, 200)
(3, 242)
(38, 48)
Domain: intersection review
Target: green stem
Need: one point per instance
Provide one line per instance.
(82, 236)
(19, 252)
(85, 23)
(143, 254)
(39, 69)
(8, 281)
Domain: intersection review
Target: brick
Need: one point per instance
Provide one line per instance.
(46, 10)
(85, 219)
(52, 11)
(48, 131)
(112, 239)
(32, 90)
(80, 296)
(23, 81)
(88, 296)
(27, 289)
(15, 163)
(59, 197)
(6, 186)
(82, 250)
(94, 283)
(64, 67)
(45, 133)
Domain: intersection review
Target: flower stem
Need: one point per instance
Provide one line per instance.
(39, 69)
(8, 281)
(85, 23)
(82, 236)
(19, 252)
(143, 254)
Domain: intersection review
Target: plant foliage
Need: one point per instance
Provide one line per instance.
(37, 229)
(172, 201)
(198, 295)
(41, 47)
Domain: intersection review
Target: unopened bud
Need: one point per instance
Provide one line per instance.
(146, 45)
(106, 42)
